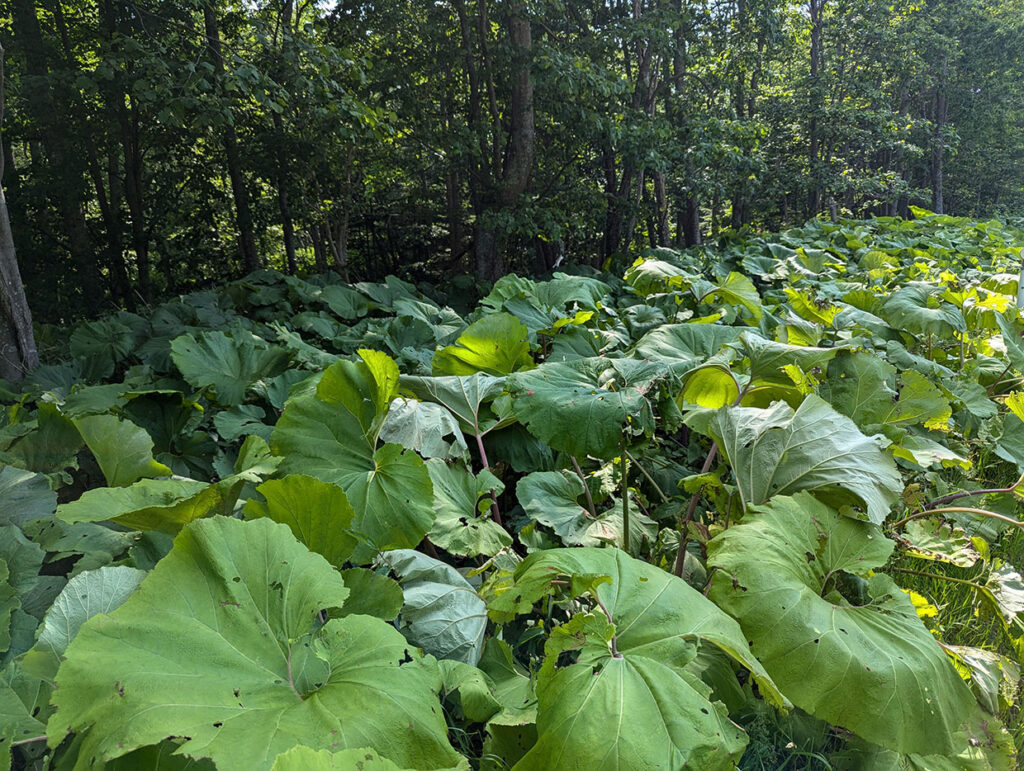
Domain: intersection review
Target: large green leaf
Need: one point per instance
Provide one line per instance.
(318, 514)
(495, 344)
(777, 451)
(335, 432)
(462, 504)
(917, 309)
(635, 705)
(467, 398)
(17, 707)
(25, 495)
(393, 502)
(425, 427)
(552, 499)
(767, 358)
(149, 504)
(584, 407)
(221, 645)
(872, 668)
(685, 346)
(227, 363)
(442, 613)
(86, 595)
(123, 450)
(863, 387)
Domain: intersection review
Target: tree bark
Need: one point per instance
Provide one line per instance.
(62, 161)
(517, 164)
(817, 12)
(18, 352)
(243, 208)
(938, 141)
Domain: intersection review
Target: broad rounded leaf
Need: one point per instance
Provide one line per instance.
(873, 668)
(123, 450)
(230, 364)
(777, 451)
(463, 525)
(393, 502)
(659, 623)
(221, 644)
(86, 595)
(442, 614)
(685, 346)
(917, 309)
(584, 406)
(495, 344)
(149, 504)
(317, 513)
(425, 427)
(25, 495)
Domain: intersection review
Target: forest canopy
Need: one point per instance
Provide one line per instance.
(156, 147)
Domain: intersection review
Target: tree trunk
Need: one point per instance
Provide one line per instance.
(63, 162)
(18, 352)
(518, 161)
(938, 141)
(817, 12)
(243, 209)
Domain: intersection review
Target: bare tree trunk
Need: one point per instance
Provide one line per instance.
(243, 208)
(661, 203)
(518, 160)
(61, 158)
(817, 12)
(938, 141)
(18, 352)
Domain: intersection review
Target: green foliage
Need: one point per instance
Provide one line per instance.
(435, 567)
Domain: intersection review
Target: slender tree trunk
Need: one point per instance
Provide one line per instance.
(243, 208)
(518, 160)
(18, 352)
(283, 166)
(817, 12)
(938, 141)
(63, 163)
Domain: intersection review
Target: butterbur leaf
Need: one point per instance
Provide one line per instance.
(735, 289)
(308, 759)
(872, 668)
(25, 495)
(462, 524)
(371, 594)
(425, 427)
(495, 344)
(467, 398)
(123, 450)
(584, 407)
(149, 504)
(934, 539)
(650, 608)
(317, 513)
(1007, 588)
(221, 646)
(17, 705)
(472, 686)
(994, 678)
(393, 502)
(658, 623)
(242, 420)
(227, 363)
(442, 613)
(685, 346)
(917, 309)
(777, 451)
(767, 358)
(86, 595)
